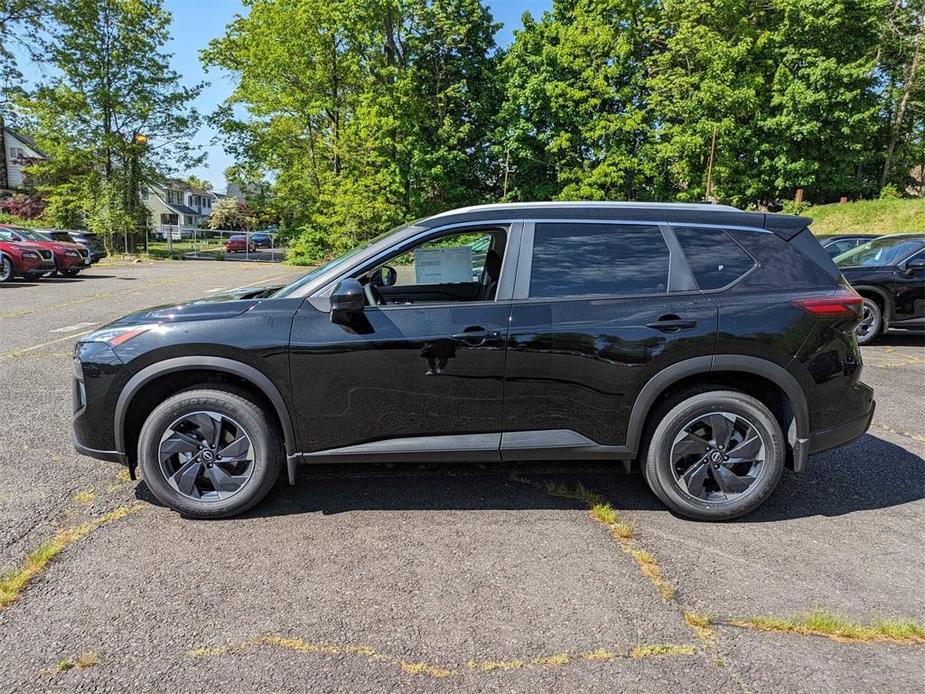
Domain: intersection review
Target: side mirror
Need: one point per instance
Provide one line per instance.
(915, 265)
(383, 276)
(348, 298)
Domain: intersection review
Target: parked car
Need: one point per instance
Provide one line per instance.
(83, 238)
(70, 258)
(23, 259)
(889, 274)
(836, 245)
(262, 239)
(239, 242)
(714, 346)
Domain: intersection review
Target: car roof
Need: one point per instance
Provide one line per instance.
(667, 212)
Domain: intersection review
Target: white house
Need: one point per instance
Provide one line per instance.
(177, 204)
(18, 152)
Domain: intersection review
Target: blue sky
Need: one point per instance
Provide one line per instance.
(195, 22)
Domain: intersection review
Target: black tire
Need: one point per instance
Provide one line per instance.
(239, 409)
(6, 269)
(664, 477)
(871, 324)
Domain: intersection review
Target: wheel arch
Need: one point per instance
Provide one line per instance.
(875, 292)
(244, 374)
(724, 369)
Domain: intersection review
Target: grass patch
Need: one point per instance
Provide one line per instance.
(838, 628)
(81, 662)
(600, 654)
(557, 660)
(85, 497)
(425, 669)
(600, 510)
(868, 216)
(14, 582)
(492, 665)
(660, 650)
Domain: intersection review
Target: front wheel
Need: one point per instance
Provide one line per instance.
(715, 456)
(6, 269)
(871, 322)
(210, 453)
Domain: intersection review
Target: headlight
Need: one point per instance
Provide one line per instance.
(73, 254)
(117, 336)
(32, 255)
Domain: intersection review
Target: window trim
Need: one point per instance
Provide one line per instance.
(755, 262)
(677, 265)
(320, 298)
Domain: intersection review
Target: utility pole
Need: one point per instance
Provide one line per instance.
(138, 142)
(709, 193)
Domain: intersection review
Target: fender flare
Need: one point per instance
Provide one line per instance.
(706, 365)
(245, 371)
(883, 294)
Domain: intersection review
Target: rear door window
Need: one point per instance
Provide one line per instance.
(572, 259)
(713, 257)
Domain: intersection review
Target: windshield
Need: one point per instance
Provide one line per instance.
(318, 271)
(879, 252)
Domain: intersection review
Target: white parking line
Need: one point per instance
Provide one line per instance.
(17, 352)
(71, 328)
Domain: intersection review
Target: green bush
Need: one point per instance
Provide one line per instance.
(795, 207)
(889, 192)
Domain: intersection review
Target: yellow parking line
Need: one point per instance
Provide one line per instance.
(17, 352)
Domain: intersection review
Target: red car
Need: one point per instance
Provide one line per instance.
(239, 242)
(70, 258)
(28, 260)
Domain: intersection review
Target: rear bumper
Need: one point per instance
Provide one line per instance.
(842, 434)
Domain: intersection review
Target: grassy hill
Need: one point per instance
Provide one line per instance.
(874, 216)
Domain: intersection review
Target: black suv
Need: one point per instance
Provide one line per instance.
(889, 274)
(714, 346)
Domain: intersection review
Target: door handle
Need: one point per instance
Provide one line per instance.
(476, 336)
(672, 324)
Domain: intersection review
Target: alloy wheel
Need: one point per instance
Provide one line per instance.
(718, 457)
(6, 270)
(206, 456)
(868, 322)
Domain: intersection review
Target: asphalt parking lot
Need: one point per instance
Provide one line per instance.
(430, 577)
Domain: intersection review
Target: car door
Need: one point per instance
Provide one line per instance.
(599, 308)
(909, 293)
(418, 377)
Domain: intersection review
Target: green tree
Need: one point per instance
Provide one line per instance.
(788, 87)
(113, 114)
(362, 113)
(20, 26)
(575, 123)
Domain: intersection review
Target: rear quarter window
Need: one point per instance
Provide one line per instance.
(713, 257)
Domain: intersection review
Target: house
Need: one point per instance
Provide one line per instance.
(175, 203)
(19, 151)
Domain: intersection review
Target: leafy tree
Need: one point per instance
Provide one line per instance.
(229, 213)
(362, 113)
(575, 122)
(20, 25)
(111, 88)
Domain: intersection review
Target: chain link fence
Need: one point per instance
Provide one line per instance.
(193, 243)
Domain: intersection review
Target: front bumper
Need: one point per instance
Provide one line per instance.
(842, 434)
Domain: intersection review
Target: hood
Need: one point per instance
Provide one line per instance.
(226, 305)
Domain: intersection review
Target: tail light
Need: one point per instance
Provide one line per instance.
(845, 304)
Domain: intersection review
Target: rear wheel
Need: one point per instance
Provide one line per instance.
(715, 456)
(209, 453)
(871, 322)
